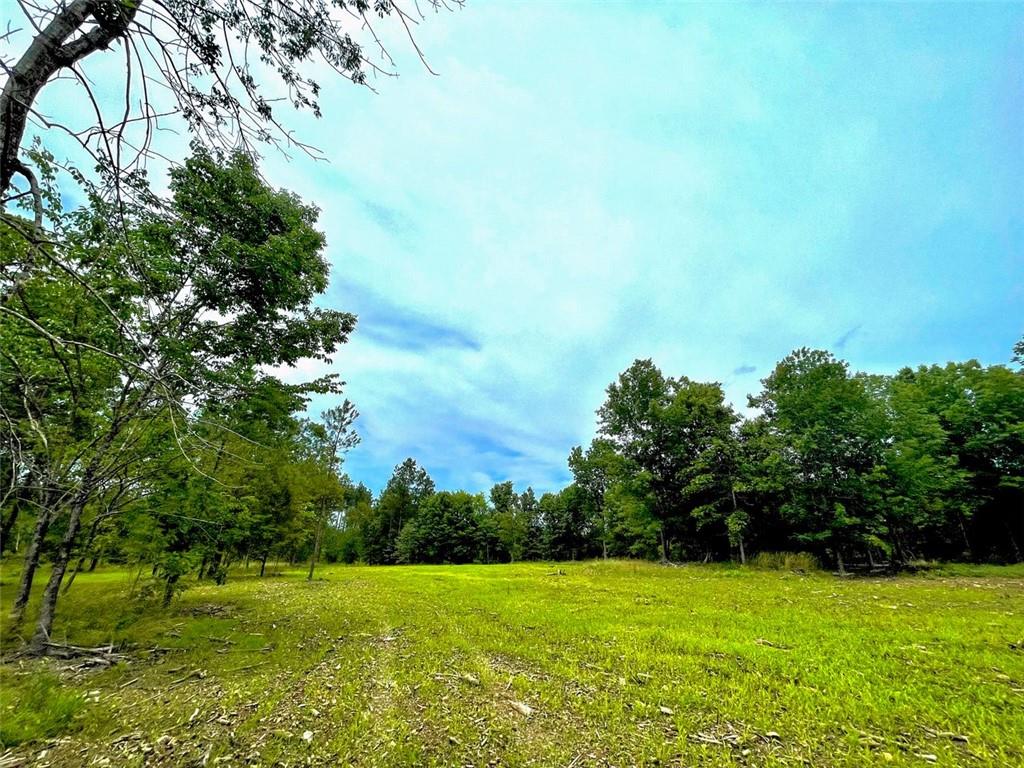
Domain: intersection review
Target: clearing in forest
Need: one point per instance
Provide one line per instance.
(578, 664)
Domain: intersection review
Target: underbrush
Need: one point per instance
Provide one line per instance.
(36, 707)
(785, 561)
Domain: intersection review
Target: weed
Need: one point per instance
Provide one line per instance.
(35, 707)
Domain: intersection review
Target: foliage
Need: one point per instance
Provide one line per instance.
(145, 406)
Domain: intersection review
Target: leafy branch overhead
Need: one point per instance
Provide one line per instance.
(221, 66)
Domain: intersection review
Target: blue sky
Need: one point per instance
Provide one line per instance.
(711, 186)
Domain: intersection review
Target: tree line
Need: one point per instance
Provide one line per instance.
(851, 467)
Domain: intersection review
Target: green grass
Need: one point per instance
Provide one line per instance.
(620, 663)
(43, 708)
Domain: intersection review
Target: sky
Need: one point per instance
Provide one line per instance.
(710, 186)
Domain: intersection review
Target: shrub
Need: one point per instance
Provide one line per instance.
(785, 561)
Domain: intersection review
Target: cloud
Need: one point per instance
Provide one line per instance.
(388, 218)
(387, 324)
(514, 233)
(841, 342)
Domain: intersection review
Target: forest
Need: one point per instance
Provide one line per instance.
(927, 464)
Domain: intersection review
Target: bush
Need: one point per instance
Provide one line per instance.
(41, 709)
(785, 561)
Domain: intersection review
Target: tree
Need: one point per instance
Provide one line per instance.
(700, 428)
(445, 530)
(207, 62)
(921, 491)
(594, 472)
(832, 430)
(408, 488)
(328, 444)
(669, 428)
(511, 527)
(199, 293)
(981, 412)
(568, 532)
(632, 420)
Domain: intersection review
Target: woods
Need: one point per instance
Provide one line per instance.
(925, 464)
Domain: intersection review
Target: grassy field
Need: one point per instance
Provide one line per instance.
(581, 664)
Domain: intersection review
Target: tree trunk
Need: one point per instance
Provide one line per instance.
(93, 530)
(839, 562)
(71, 579)
(46, 55)
(8, 526)
(60, 564)
(316, 544)
(94, 562)
(222, 569)
(963, 532)
(735, 508)
(31, 562)
(664, 543)
(1013, 541)
(263, 565)
(169, 589)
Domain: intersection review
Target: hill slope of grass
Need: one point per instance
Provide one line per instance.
(616, 663)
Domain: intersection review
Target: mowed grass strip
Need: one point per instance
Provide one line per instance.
(598, 663)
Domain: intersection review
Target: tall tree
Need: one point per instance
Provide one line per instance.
(833, 431)
(198, 294)
(594, 472)
(408, 488)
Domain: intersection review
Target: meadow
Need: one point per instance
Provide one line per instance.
(576, 664)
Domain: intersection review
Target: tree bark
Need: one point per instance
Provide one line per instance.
(963, 532)
(46, 55)
(31, 561)
(316, 544)
(8, 525)
(60, 563)
(169, 589)
(743, 554)
(263, 565)
(93, 530)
